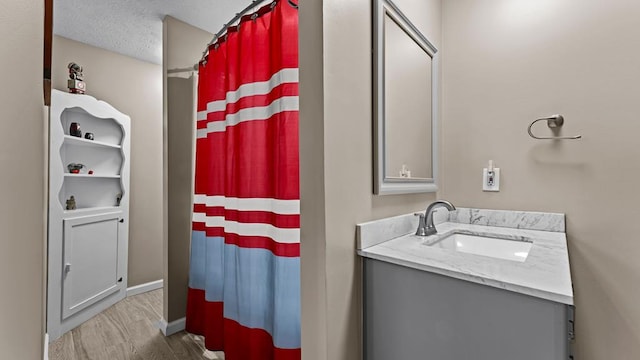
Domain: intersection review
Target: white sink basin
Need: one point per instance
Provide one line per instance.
(491, 245)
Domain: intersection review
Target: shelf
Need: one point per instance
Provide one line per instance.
(91, 209)
(97, 176)
(68, 139)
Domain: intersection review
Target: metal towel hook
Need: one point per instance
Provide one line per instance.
(553, 122)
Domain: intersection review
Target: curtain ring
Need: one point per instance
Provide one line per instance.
(273, 4)
(254, 16)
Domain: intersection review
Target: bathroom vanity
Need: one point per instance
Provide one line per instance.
(489, 285)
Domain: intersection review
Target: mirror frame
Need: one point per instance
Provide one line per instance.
(384, 185)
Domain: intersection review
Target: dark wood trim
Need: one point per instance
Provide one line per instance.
(48, 45)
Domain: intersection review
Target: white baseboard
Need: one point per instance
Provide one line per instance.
(143, 288)
(173, 327)
(46, 346)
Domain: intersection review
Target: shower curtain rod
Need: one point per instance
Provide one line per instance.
(226, 26)
(182, 70)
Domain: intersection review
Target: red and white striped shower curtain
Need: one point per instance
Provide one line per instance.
(244, 286)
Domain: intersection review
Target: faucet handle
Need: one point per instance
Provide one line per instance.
(422, 224)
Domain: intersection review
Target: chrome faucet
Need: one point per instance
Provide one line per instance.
(426, 226)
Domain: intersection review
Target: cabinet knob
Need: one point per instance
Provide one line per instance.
(121, 220)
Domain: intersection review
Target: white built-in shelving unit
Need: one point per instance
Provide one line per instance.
(87, 249)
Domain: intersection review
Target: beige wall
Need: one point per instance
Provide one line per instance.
(180, 94)
(336, 166)
(508, 62)
(182, 46)
(135, 88)
(185, 43)
(23, 179)
(313, 254)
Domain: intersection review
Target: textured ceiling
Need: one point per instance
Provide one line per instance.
(134, 27)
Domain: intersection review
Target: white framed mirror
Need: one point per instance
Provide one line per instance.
(405, 104)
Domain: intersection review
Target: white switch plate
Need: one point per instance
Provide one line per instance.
(496, 180)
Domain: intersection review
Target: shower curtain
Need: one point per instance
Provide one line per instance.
(244, 285)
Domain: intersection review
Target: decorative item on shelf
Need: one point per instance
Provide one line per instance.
(71, 203)
(90, 172)
(118, 199)
(89, 136)
(74, 130)
(75, 83)
(74, 168)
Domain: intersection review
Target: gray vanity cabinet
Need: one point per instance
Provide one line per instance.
(411, 314)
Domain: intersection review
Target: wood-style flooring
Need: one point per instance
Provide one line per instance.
(128, 331)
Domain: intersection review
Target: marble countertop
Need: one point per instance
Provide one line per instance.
(544, 274)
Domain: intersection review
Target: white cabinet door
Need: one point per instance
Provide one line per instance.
(91, 255)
